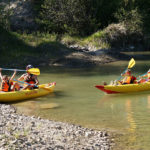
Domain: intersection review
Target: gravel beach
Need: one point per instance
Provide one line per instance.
(30, 133)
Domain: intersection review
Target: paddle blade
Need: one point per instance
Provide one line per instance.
(131, 63)
(34, 71)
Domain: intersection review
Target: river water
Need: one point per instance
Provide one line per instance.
(76, 100)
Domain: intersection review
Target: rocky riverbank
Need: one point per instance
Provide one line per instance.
(80, 58)
(24, 132)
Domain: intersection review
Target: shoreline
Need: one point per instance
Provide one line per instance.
(74, 59)
(29, 132)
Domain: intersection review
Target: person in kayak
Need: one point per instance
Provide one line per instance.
(145, 78)
(128, 78)
(30, 79)
(7, 83)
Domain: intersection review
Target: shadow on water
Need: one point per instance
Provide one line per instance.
(55, 94)
(60, 94)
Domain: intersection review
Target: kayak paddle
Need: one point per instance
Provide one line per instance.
(54, 83)
(24, 82)
(130, 65)
(34, 71)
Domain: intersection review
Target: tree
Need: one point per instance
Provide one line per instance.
(81, 17)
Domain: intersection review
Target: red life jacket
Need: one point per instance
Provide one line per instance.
(6, 86)
(133, 79)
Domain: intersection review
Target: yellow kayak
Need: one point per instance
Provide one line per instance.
(44, 89)
(126, 88)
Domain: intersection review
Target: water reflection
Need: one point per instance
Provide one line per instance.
(130, 118)
(130, 114)
(132, 104)
(131, 121)
(148, 102)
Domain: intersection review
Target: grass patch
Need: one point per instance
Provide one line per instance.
(23, 48)
(95, 40)
(18, 47)
(37, 38)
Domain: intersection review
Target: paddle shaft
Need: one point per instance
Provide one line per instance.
(122, 73)
(34, 71)
(32, 84)
(13, 69)
(25, 82)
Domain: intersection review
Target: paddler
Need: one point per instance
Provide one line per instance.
(30, 79)
(128, 78)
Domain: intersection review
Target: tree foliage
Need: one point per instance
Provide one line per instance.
(76, 16)
(84, 17)
(131, 19)
(135, 14)
(5, 18)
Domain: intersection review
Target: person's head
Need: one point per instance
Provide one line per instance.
(128, 72)
(29, 67)
(5, 78)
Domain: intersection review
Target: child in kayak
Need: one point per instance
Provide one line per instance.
(30, 79)
(7, 84)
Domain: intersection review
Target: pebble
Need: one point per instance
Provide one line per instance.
(24, 132)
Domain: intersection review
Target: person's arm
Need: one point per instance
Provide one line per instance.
(36, 80)
(13, 75)
(1, 74)
(123, 74)
(21, 78)
(124, 79)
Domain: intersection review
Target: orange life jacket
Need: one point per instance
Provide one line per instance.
(6, 86)
(129, 80)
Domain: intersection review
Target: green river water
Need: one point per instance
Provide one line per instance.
(77, 101)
